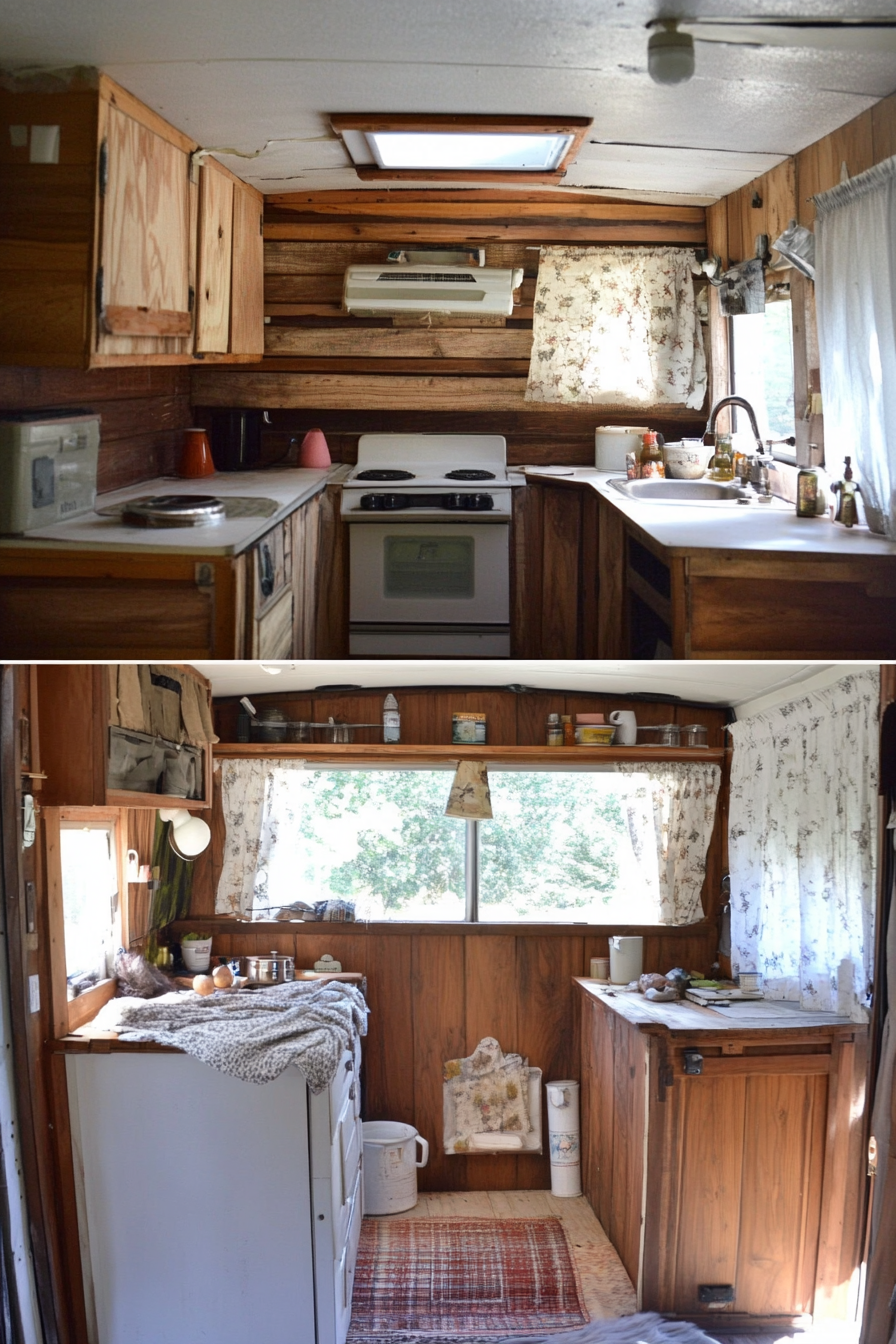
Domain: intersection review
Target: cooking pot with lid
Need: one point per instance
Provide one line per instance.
(274, 968)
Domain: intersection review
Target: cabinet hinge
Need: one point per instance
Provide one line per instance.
(99, 292)
(191, 299)
(103, 169)
(261, 225)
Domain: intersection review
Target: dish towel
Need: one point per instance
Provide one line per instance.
(255, 1036)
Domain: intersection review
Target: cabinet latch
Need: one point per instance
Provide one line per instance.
(693, 1062)
(103, 169)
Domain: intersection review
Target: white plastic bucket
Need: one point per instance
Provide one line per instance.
(626, 959)
(390, 1166)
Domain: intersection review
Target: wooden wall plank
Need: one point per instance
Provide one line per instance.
(629, 1120)
(489, 968)
(818, 166)
(883, 128)
(392, 342)
(389, 1068)
(584, 233)
(440, 205)
(437, 984)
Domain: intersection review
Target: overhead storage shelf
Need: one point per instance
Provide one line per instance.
(454, 752)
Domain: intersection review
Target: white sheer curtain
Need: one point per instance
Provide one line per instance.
(670, 810)
(855, 259)
(802, 846)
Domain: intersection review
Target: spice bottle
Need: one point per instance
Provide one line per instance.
(651, 458)
(807, 493)
(569, 731)
(391, 720)
(555, 731)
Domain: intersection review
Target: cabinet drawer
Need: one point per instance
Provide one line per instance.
(271, 567)
(345, 1082)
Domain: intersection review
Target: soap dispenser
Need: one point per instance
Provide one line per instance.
(845, 490)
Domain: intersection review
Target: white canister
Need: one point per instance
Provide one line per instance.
(564, 1138)
(612, 442)
(626, 959)
(390, 1165)
(626, 727)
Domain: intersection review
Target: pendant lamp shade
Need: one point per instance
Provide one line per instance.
(470, 798)
(188, 835)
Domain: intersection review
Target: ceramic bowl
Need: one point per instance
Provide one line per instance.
(687, 461)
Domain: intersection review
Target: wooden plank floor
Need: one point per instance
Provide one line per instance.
(606, 1288)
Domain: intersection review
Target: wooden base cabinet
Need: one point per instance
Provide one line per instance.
(734, 1193)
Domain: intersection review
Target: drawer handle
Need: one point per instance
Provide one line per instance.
(267, 571)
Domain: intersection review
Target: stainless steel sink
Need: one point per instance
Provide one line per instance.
(678, 492)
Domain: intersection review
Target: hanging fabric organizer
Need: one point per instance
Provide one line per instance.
(492, 1102)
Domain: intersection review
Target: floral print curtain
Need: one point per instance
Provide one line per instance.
(617, 325)
(802, 841)
(244, 787)
(670, 812)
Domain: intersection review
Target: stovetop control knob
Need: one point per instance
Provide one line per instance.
(478, 502)
(372, 502)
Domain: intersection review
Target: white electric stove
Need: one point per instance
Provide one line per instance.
(429, 519)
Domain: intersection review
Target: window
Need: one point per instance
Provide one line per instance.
(450, 148)
(578, 845)
(762, 371)
(90, 901)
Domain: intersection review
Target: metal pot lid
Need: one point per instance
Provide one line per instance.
(271, 956)
(174, 511)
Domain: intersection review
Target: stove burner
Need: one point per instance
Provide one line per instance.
(174, 511)
(469, 474)
(384, 474)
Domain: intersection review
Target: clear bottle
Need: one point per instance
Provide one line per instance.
(652, 464)
(721, 464)
(554, 731)
(391, 719)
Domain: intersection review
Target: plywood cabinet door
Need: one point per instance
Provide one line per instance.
(247, 285)
(143, 280)
(215, 250)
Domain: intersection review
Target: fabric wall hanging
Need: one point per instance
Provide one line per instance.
(855, 292)
(617, 325)
(802, 843)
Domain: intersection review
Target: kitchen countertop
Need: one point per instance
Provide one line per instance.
(287, 488)
(682, 1015)
(684, 529)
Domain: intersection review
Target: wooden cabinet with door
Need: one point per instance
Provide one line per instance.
(99, 252)
(724, 1162)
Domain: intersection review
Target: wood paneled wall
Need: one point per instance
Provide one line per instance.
(416, 372)
(766, 205)
(436, 990)
(143, 411)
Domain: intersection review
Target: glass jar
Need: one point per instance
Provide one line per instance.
(299, 732)
(669, 735)
(721, 464)
(694, 735)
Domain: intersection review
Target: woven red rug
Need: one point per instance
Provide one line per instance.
(464, 1276)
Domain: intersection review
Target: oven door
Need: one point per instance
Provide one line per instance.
(430, 573)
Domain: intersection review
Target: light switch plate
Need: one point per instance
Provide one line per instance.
(34, 993)
(44, 144)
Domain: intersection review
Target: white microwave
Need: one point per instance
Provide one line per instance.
(48, 468)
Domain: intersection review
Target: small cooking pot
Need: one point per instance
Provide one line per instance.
(275, 969)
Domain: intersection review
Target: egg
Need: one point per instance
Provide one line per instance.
(223, 977)
(203, 984)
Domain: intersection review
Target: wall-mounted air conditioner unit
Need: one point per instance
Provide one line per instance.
(445, 289)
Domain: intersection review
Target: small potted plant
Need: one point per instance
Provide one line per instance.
(196, 950)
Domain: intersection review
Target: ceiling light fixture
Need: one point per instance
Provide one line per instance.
(670, 54)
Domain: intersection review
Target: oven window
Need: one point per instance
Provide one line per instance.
(428, 566)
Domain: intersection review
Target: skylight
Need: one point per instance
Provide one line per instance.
(410, 149)
(445, 148)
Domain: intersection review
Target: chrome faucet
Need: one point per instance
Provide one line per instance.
(733, 401)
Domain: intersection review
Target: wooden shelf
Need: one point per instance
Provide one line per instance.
(454, 752)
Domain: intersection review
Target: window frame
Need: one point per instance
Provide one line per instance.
(576, 127)
(69, 1014)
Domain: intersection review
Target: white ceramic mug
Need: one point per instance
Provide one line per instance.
(626, 727)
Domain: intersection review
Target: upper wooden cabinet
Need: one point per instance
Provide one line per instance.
(90, 747)
(121, 251)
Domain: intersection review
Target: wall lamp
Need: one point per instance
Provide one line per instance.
(189, 835)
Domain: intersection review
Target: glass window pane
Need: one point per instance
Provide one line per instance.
(559, 849)
(477, 150)
(762, 369)
(378, 838)
(89, 905)
(425, 566)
